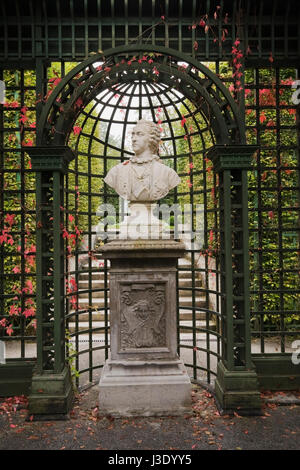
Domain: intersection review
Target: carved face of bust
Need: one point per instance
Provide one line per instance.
(140, 139)
(145, 137)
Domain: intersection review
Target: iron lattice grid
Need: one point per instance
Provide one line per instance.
(117, 110)
(184, 124)
(18, 201)
(70, 30)
(284, 42)
(274, 186)
(112, 153)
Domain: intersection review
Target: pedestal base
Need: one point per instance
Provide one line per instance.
(144, 388)
(237, 391)
(51, 394)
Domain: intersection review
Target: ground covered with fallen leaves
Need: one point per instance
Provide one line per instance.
(277, 428)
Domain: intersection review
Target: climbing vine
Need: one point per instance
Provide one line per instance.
(261, 119)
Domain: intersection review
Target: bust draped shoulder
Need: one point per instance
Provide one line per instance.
(155, 183)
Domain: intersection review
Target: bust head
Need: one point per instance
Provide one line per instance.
(146, 178)
(145, 135)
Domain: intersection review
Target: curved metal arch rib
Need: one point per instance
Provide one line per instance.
(61, 109)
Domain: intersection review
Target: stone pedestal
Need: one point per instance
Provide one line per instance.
(144, 376)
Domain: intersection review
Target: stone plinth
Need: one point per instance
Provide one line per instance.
(141, 223)
(144, 376)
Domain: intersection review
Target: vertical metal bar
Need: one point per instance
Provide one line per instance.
(260, 51)
(140, 101)
(35, 48)
(106, 317)
(166, 13)
(5, 31)
(19, 30)
(273, 27)
(76, 208)
(86, 31)
(241, 101)
(73, 48)
(228, 268)
(126, 21)
(46, 29)
(192, 227)
(298, 172)
(153, 22)
(193, 30)
(255, 217)
(245, 250)
(59, 29)
(205, 174)
(90, 271)
(2, 275)
(22, 201)
(41, 74)
(246, 23)
(57, 274)
(286, 31)
(39, 273)
(280, 205)
(99, 25)
(222, 268)
(37, 32)
(234, 21)
(180, 26)
(207, 35)
(113, 24)
(259, 214)
(220, 16)
(140, 24)
(298, 48)
(218, 287)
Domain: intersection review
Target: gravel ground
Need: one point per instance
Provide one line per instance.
(278, 428)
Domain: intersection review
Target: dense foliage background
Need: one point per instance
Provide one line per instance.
(273, 194)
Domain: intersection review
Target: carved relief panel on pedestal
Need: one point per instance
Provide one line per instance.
(142, 315)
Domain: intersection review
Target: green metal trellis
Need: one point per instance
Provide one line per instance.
(72, 34)
(199, 85)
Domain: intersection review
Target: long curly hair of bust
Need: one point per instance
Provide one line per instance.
(154, 133)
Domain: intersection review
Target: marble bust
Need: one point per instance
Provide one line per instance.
(143, 178)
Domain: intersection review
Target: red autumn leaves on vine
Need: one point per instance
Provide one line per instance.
(28, 289)
(6, 236)
(52, 83)
(237, 56)
(208, 25)
(24, 122)
(72, 288)
(267, 99)
(73, 234)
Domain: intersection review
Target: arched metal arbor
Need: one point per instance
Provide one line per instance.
(202, 132)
